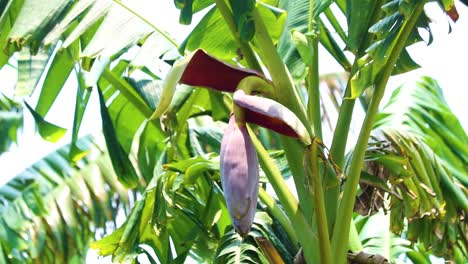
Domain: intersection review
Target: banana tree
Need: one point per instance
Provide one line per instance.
(53, 209)
(193, 154)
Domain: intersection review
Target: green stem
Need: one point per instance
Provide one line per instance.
(279, 215)
(341, 233)
(287, 96)
(247, 51)
(340, 136)
(285, 93)
(315, 177)
(320, 212)
(303, 231)
(354, 241)
(313, 80)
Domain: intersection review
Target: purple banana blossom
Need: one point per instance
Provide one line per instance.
(239, 176)
(239, 162)
(238, 159)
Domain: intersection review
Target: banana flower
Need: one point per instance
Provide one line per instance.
(239, 176)
(238, 158)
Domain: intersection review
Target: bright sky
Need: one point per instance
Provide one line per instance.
(443, 60)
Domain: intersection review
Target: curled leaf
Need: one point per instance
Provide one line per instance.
(48, 131)
(169, 86)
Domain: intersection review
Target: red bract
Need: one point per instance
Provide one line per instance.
(200, 69)
(239, 176)
(269, 122)
(272, 115)
(206, 71)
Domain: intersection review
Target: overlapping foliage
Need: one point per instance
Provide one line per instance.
(172, 162)
(52, 211)
(427, 176)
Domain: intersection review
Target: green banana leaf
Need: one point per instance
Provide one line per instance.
(421, 146)
(52, 210)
